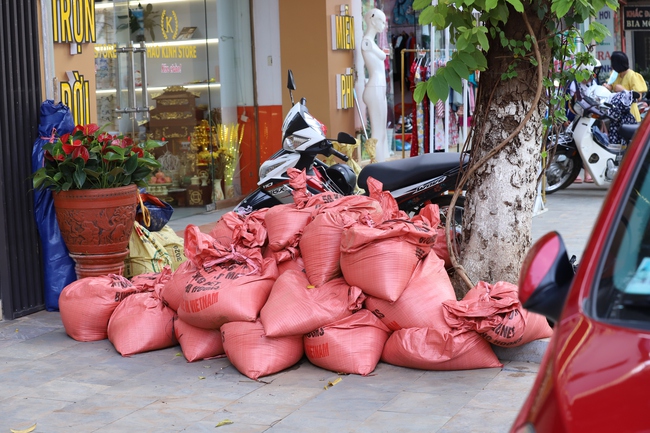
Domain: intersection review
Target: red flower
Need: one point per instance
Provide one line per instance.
(68, 148)
(105, 137)
(77, 149)
(119, 142)
(81, 152)
(90, 129)
(139, 151)
(49, 157)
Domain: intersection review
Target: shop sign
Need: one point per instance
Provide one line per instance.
(343, 30)
(345, 90)
(73, 22)
(603, 50)
(169, 24)
(174, 68)
(636, 17)
(75, 93)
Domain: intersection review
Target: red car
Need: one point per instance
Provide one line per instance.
(594, 374)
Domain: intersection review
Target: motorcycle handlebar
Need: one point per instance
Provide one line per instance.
(340, 155)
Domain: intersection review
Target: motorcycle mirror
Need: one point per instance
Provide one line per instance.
(291, 84)
(346, 138)
(545, 277)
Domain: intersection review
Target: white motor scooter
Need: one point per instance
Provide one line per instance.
(600, 160)
(578, 147)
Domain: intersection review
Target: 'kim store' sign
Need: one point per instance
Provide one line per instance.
(73, 21)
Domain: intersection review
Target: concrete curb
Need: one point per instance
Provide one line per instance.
(530, 352)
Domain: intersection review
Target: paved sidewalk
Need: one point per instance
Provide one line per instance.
(63, 385)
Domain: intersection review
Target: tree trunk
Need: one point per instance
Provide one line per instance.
(501, 194)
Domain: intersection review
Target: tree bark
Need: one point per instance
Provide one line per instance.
(501, 194)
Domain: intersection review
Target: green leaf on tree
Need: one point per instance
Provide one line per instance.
(460, 68)
(420, 91)
(517, 4)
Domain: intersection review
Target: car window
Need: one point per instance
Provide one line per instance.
(623, 289)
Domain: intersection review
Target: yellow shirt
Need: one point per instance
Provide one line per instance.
(632, 81)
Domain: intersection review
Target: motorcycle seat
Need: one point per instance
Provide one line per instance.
(627, 131)
(409, 171)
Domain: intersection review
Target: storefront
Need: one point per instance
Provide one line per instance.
(176, 72)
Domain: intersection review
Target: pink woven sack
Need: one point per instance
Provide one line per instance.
(284, 224)
(229, 292)
(222, 231)
(358, 207)
(386, 200)
(420, 304)
(248, 231)
(149, 281)
(86, 305)
(440, 247)
(433, 349)
(197, 343)
(320, 246)
(141, 323)
(295, 307)
(494, 311)
(431, 214)
(302, 198)
(350, 345)
(255, 355)
(172, 291)
(381, 259)
(297, 264)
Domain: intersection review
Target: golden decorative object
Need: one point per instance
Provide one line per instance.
(347, 150)
(371, 149)
(177, 101)
(230, 137)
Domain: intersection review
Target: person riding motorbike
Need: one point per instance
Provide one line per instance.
(627, 79)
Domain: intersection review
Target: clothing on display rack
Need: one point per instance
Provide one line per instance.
(403, 12)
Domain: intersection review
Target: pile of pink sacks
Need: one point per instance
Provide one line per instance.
(346, 281)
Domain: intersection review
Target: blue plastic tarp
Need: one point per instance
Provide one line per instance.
(58, 267)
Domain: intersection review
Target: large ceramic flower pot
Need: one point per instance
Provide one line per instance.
(96, 225)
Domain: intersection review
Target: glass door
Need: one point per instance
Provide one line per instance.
(158, 77)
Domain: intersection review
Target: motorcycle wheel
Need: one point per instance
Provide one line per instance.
(562, 170)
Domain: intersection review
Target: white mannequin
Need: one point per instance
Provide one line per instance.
(374, 94)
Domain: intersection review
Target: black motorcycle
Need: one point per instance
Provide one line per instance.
(414, 182)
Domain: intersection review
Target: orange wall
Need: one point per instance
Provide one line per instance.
(306, 49)
(84, 63)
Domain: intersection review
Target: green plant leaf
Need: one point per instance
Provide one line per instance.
(467, 59)
(420, 91)
(517, 4)
(453, 79)
(420, 4)
(490, 4)
(460, 68)
(483, 41)
(427, 15)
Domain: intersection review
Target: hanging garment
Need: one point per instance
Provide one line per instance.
(403, 12)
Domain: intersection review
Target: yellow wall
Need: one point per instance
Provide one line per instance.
(306, 49)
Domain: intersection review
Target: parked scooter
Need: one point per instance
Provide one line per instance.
(413, 182)
(581, 145)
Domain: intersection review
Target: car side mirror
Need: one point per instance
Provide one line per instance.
(546, 277)
(346, 138)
